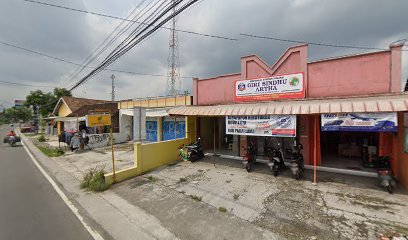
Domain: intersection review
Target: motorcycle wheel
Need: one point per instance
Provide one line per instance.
(390, 189)
(248, 167)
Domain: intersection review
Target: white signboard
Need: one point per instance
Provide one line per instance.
(275, 87)
(270, 125)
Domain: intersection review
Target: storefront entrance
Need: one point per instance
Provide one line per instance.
(349, 150)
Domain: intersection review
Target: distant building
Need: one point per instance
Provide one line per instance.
(19, 103)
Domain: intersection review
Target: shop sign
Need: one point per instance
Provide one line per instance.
(269, 125)
(275, 87)
(360, 122)
(98, 120)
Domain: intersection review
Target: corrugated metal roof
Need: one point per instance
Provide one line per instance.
(372, 103)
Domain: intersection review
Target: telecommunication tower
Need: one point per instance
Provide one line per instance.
(173, 74)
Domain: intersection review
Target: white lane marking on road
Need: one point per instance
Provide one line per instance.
(71, 206)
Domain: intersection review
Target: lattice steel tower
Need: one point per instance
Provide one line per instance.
(173, 74)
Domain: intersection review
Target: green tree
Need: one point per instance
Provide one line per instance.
(45, 102)
(16, 114)
(61, 92)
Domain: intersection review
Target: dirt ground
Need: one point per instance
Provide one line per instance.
(338, 207)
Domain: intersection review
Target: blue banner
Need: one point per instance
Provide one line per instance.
(170, 126)
(360, 122)
(151, 131)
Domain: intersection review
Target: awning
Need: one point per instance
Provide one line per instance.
(68, 119)
(372, 103)
(159, 112)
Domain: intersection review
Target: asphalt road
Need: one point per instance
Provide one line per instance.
(29, 206)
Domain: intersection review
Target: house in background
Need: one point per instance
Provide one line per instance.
(66, 106)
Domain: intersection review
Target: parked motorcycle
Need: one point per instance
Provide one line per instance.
(276, 162)
(250, 157)
(385, 174)
(193, 152)
(297, 166)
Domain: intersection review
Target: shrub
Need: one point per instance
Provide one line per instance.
(41, 138)
(51, 152)
(94, 180)
(196, 198)
(222, 209)
(87, 178)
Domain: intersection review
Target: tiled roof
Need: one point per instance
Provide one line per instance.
(107, 106)
(75, 103)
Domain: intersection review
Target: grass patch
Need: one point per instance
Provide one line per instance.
(94, 180)
(151, 178)
(236, 196)
(41, 138)
(196, 198)
(51, 152)
(222, 209)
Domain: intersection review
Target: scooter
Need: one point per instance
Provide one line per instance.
(195, 151)
(12, 141)
(297, 163)
(249, 158)
(276, 160)
(385, 174)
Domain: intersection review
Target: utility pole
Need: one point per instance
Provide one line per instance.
(173, 75)
(113, 87)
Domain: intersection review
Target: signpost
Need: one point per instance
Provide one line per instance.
(99, 119)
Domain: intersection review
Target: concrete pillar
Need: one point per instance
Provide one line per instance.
(159, 129)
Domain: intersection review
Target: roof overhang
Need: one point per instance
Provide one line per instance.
(69, 119)
(397, 102)
(152, 112)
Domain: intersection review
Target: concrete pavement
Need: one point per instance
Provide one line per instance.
(29, 206)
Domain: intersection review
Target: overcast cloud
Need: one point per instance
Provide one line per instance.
(73, 36)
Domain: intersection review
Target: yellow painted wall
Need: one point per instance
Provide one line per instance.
(63, 111)
(153, 155)
(149, 156)
(121, 175)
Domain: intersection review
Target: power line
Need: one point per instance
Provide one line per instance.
(125, 19)
(80, 65)
(138, 37)
(314, 43)
(95, 54)
(24, 84)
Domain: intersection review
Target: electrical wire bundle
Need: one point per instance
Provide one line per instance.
(159, 15)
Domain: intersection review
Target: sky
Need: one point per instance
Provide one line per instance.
(73, 36)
